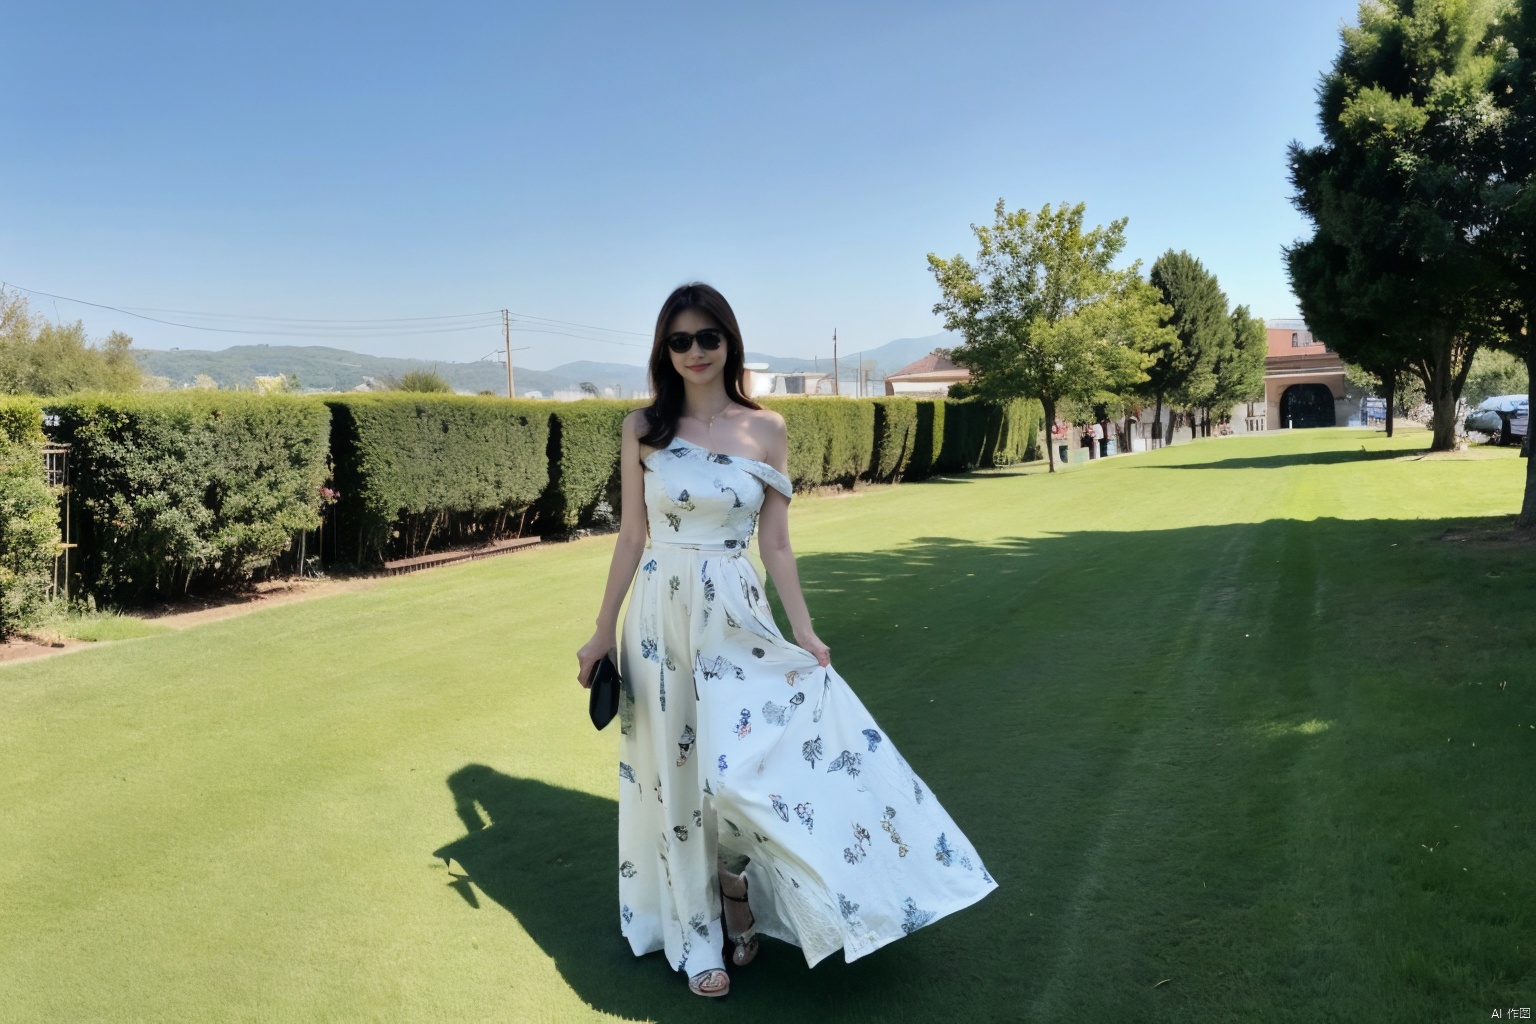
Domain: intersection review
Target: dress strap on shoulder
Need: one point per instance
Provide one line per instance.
(770, 476)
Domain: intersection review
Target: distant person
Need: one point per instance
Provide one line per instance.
(746, 764)
(1102, 435)
(1095, 440)
(1059, 432)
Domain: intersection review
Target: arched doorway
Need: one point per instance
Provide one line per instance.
(1307, 405)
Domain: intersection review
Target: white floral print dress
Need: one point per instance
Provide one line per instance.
(734, 738)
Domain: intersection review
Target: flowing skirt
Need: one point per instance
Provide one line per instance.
(735, 742)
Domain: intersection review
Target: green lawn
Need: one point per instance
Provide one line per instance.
(1241, 736)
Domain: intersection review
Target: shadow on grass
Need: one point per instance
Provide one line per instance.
(547, 856)
(1323, 458)
(1123, 724)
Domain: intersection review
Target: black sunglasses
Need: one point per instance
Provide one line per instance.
(709, 339)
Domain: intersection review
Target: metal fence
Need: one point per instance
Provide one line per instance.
(56, 473)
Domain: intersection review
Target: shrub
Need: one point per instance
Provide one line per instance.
(424, 382)
(189, 490)
(417, 469)
(831, 440)
(927, 438)
(29, 516)
(980, 434)
(895, 438)
(584, 442)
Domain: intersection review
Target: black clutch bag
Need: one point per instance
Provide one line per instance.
(603, 687)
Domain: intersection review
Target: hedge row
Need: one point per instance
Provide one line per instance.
(188, 490)
(203, 489)
(28, 513)
(584, 440)
(414, 468)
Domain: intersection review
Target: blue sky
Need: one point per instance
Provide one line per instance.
(575, 161)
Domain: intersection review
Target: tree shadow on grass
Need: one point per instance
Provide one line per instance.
(1100, 751)
(1323, 458)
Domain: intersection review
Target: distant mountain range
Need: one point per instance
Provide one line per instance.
(332, 369)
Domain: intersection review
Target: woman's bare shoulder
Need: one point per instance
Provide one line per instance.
(769, 422)
(769, 431)
(635, 427)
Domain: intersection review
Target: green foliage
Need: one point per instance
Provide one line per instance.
(29, 516)
(584, 446)
(831, 440)
(414, 469)
(981, 434)
(835, 441)
(927, 438)
(1185, 370)
(1044, 312)
(895, 437)
(1397, 276)
(189, 490)
(1240, 366)
(38, 357)
(427, 382)
(1495, 373)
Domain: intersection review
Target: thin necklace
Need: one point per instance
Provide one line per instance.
(709, 424)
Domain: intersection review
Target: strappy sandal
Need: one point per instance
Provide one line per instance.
(696, 984)
(746, 942)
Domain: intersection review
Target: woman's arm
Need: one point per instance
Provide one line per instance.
(773, 544)
(626, 551)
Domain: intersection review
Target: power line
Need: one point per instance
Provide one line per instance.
(377, 327)
(294, 320)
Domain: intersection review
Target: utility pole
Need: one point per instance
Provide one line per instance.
(835, 391)
(506, 336)
(861, 374)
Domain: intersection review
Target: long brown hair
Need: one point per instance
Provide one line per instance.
(666, 383)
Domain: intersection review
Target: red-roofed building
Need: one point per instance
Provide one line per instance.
(1304, 383)
(929, 376)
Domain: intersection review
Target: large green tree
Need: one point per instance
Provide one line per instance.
(1045, 313)
(1363, 313)
(1400, 185)
(1240, 365)
(1200, 329)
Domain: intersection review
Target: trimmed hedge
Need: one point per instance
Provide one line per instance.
(29, 514)
(895, 438)
(584, 442)
(914, 438)
(188, 490)
(980, 434)
(181, 491)
(416, 469)
(831, 440)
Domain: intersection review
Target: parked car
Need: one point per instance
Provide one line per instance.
(1488, 418)
(1520, 420)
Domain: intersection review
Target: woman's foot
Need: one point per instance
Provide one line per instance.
(712, 983)
(740, 924)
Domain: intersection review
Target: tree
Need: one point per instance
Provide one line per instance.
(1185, 369)
(1513, 238)
(1496, 373)
(42, 358)
(1361, 318)
(1399, 187)
(1044, 313)
(1240, 365)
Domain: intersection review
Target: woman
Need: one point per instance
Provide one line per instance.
(748, 769)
